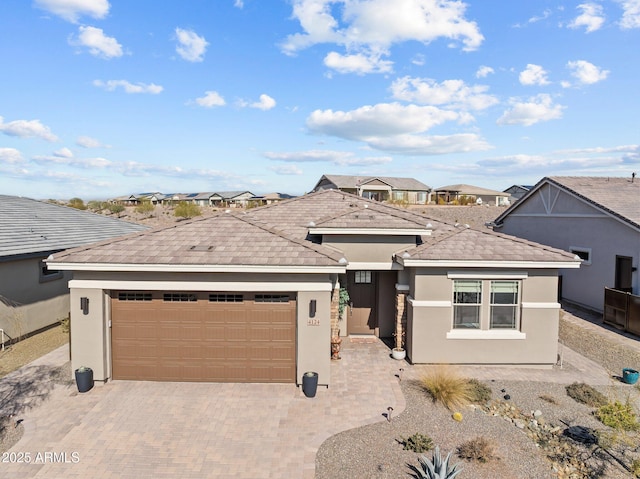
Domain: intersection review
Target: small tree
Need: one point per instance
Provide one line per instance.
(96, 206)
(77, 203)
(115, 209)
(187, 210)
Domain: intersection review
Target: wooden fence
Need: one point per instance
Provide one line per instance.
(622, 310)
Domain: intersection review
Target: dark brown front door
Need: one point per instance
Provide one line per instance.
(624, 273)
(361, 316)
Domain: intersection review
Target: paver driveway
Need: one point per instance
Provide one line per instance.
(130, 429)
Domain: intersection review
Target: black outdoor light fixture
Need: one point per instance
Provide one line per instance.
(312, 308)
(84, 305)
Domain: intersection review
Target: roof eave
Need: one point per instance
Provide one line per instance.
(193, 268)
(452, 263)
(371, 231)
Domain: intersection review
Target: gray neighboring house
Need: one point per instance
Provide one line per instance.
(33, 296)
(596, 218)
(379, 188)
(453, 193)
(517, 191)
(254, 296)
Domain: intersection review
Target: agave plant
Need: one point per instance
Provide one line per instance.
(436, 468)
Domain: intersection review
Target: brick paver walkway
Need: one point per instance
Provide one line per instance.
(129, 429)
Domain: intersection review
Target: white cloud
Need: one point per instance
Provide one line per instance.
(359, 63)
(340, 158)
(191, 47)
(537, 109)
(454, 93)
(10, 155)
(88, 142)
(587, 73)
(128, 87)
(72, 10)
(484, 71)
(418, 60)
(210, 99)
(97, 42)
(533, 75)
(238, 3)
(265, 103)
(63, 153)
(86, 163)
(27, 129)
(426, 145)
(286, 170)
(631, 14)
(382, 119)
(592, 17)
(373, 26)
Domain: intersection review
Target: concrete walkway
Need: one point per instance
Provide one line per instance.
(129, 429)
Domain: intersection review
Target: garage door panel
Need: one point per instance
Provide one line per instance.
(203, 340)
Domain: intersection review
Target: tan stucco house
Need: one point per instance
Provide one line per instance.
(379, 188)
(33, 296)
(253, 296)
(596, 218)
(453, 193)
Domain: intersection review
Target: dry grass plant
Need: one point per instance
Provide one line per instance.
(447, 386)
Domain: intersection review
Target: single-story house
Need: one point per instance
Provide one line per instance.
(231, 198)
(379, 188)
(271, 198)
(517, 191)
(454, 193)
(255, 296)
(33, 296)
(596, 218)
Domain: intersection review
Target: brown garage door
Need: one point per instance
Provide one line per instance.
(179, 336)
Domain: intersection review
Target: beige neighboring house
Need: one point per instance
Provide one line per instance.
(231, 198)
(254, 296)
(453, 193)
(33, 296)
(378, 188)
(596, 218)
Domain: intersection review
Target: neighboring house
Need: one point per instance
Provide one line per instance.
(231, 198)
(517, 191)
(379, 188)
(271, 198)
(203, 199)
(254, 296)
(454, 193)
(596, 218)
(33, 296)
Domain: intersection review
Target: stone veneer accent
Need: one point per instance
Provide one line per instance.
(401, 311)
(335, 301)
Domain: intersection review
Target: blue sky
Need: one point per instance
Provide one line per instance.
(102, 98)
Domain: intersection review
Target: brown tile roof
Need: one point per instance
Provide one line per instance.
(468, 244)
(226, 239)
(618, 196)
(278, 235)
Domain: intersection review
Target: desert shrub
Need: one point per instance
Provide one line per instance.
(585, 394)
(115, 209)
(548, 398)
(64, 324)
(445, 385)
(480, 392)
(635, 467)
(187, 210)
(478, 449)
(417, 443)
(436, 467)
(618, 416)
(145, 208)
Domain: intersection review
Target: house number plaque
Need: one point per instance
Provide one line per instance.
(313, 322)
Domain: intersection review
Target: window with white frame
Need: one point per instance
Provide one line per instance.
(504, 305)
(467, 301)
(499, 309)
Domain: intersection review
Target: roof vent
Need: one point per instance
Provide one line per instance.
(311, 224)
(366, 206)
(227, 211)
(466, 225)
(429, 226)
(406, 255)
(343, 260)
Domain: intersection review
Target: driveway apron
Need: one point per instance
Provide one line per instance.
(136, 429)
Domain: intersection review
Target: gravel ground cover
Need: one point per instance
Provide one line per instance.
(374, 451)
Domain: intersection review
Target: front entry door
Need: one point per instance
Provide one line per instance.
(361, 316)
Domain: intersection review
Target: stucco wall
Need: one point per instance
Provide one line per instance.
(369, 249)
(430, 320)
(569, 225)
(90, 334)
(41, 303)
